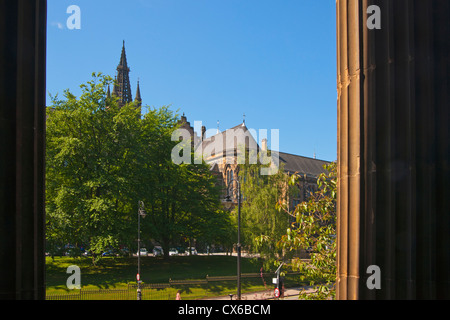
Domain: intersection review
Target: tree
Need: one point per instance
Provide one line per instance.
(202, 217)
(102, 159)
(183, 199)
(262, 223)
(90, 160)
(314, 230)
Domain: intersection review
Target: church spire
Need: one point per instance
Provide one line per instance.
(123, 56)
(122, 88)
(138, 94)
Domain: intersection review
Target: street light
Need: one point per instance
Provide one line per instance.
(228, 199)
(141, 212)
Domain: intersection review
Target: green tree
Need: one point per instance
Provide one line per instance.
(262, 223)
(102, 159)
(90, 159)
(183, 200)
(202, 218)
(314, 230)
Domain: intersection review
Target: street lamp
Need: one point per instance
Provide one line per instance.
(141, 212)
(228, 199)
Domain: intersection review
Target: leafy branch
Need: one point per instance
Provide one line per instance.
(314, 231)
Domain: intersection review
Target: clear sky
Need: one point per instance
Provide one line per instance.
(214, 60)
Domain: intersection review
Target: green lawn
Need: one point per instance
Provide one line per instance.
(117, 273)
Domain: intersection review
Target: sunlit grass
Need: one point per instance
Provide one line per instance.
(119, 273)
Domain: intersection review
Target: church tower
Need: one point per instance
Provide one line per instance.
(138, 96)
(122, 88)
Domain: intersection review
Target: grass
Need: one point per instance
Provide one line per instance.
(118, 273)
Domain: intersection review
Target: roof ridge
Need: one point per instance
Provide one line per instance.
(222, 132)
(303, 156)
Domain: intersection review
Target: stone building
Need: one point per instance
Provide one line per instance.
(224, 152)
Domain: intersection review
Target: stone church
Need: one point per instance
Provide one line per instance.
(223, 149)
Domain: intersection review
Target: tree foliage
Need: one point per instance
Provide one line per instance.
(262, 223)
(314, 230)
(101, 159)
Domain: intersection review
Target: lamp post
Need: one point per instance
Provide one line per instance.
(141, 212)
(228, 199)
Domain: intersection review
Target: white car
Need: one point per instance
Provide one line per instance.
(143, 251)
(158, 251)
(192, 250)
(173, 252)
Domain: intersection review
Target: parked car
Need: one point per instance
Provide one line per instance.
(109, 253)
(181, 250)
(72, 251)
(173, 252)
(87, 253)
(192, 251)
(158, 251)
(57, 251)
(143, 251)
(124, 252)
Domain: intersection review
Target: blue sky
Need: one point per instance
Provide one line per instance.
(214, 60)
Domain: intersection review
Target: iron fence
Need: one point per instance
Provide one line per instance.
(129, 293)
(191, 289)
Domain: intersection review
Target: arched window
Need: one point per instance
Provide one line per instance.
(229, 176)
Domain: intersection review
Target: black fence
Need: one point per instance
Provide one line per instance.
(189, 289)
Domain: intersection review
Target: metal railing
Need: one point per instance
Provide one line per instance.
(113, 294)
(163, 291)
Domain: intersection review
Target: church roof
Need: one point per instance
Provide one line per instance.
(302, 165)
(231, 139)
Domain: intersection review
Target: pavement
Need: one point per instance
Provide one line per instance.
(289, 294)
